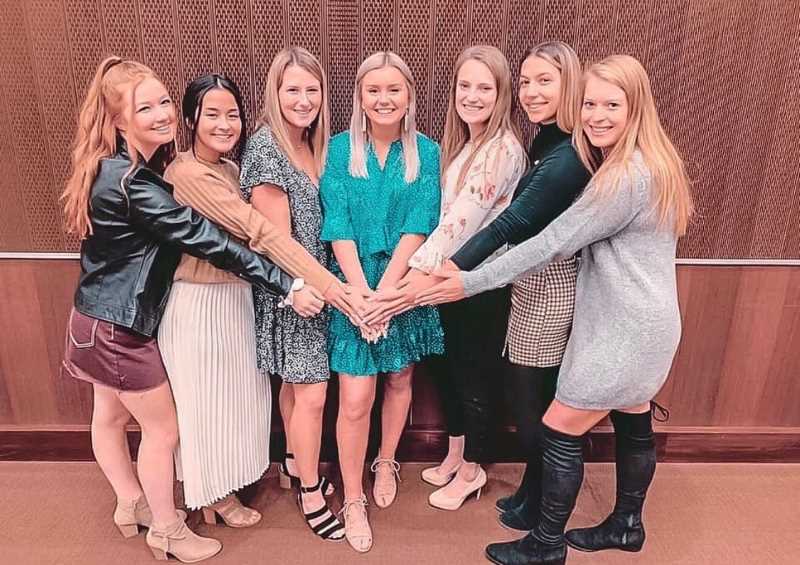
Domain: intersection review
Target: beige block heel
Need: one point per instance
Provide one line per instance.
(128, 530)
(130, 514)
(159, 554)
(209, 516)
(232, 512)
(182, 543)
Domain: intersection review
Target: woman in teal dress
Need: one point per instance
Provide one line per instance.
(380, 196)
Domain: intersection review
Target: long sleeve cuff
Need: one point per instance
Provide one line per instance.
(476, 281)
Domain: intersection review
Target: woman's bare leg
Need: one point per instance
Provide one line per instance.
(396, 403)
(155, 412)
(305, 428)
(572, 421)
(110, 443)
(286, 404)
(356, 396)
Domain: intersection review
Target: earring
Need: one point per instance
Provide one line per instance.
(363, 121)
(405, 122)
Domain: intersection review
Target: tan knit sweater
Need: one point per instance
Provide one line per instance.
(213, 190)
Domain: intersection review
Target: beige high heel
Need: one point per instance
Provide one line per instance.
(444, 472)
(233, 513)
(437, 477)
(453, 495)
(130, 514)
(180, 542)
(384, 488)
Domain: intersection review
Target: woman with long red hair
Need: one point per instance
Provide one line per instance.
(133, 233)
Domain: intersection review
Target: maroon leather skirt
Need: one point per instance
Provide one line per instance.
(111, 355)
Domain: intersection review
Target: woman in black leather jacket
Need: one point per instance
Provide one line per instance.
(133, 233)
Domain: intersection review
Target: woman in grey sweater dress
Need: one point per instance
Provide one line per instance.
(627, 324)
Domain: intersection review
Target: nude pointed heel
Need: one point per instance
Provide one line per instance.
(452, 496)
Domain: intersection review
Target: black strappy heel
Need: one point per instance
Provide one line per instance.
(322, 521)
(287, 481)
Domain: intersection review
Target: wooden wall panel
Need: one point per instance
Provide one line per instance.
(725, 76)
(737, 365)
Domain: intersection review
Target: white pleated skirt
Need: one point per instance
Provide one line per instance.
(207, 341)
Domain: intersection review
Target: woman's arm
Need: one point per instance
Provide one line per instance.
(273, 203)
(489, 183)
(547, 192)
(346, 253)
(152, 208)
(592, 218)
(398, 264)
(209, 193)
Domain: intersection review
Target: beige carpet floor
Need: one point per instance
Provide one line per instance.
(697, 514)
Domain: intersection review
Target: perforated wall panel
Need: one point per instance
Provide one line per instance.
(726, 76)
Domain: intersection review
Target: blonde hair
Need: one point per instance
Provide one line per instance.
(319, 131)
(111, 88)
(408, 136)
(456, 131)
(672, 197)
(564, 58)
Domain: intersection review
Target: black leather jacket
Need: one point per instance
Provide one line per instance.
(140, 231)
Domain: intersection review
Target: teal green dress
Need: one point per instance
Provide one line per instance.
(374, 213)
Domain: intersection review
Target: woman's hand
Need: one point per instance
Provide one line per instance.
(374, 332)
(350, 301)
(451, 289)
(308, 301)
(391, 301)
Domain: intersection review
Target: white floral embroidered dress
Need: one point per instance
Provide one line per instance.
(488, 188)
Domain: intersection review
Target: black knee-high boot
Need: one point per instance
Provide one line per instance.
(562, 475)
(522, 507)
(636, 465)
(531, 389)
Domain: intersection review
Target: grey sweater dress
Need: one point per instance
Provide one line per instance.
(627, 325)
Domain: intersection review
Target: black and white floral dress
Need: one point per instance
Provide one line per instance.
(286, 344)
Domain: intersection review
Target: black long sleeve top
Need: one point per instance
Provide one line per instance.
(555, 179)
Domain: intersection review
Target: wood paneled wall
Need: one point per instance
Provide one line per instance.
(726, 76)
(733, 391)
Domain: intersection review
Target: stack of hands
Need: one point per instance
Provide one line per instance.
(372, 310)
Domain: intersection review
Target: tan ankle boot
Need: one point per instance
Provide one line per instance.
(233, 513)
(130, 514)
(181, 542)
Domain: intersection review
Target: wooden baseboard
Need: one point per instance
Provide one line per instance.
(675, 444)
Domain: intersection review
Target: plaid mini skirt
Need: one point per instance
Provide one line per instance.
(541, 315)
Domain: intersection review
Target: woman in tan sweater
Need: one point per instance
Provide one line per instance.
(207, 334)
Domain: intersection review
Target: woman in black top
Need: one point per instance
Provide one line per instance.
(133, 233)
(542, 304)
